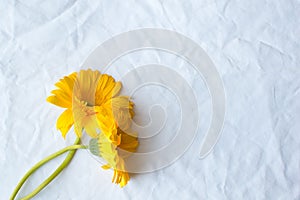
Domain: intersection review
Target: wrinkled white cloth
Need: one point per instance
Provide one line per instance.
(255, 46)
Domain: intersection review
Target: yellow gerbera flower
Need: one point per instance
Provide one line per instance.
(85, 95)
(115, 159)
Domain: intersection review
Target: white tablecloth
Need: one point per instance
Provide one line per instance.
(255, 46)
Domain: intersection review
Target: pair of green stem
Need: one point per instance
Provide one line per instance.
(72, 150)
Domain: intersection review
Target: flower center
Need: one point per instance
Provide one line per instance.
(87, 108)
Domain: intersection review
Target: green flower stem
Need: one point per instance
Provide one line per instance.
(67, 160)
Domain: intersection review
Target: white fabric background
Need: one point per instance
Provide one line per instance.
(255, 46)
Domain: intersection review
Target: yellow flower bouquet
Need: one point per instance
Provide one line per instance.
(93, 105)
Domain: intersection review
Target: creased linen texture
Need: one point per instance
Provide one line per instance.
(255, 46)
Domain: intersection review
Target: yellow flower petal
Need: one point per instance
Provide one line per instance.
(120, 177)
(107, 150)
(105, 167)
(106, 89)
(124, 179)
(65, 122)
(63, 95)
(91, 127)
(56, 101)
(117, 89)
(85, 86)
(78, 128)
(128, 142)
(66, 84)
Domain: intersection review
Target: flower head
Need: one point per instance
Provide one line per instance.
(88, 96)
